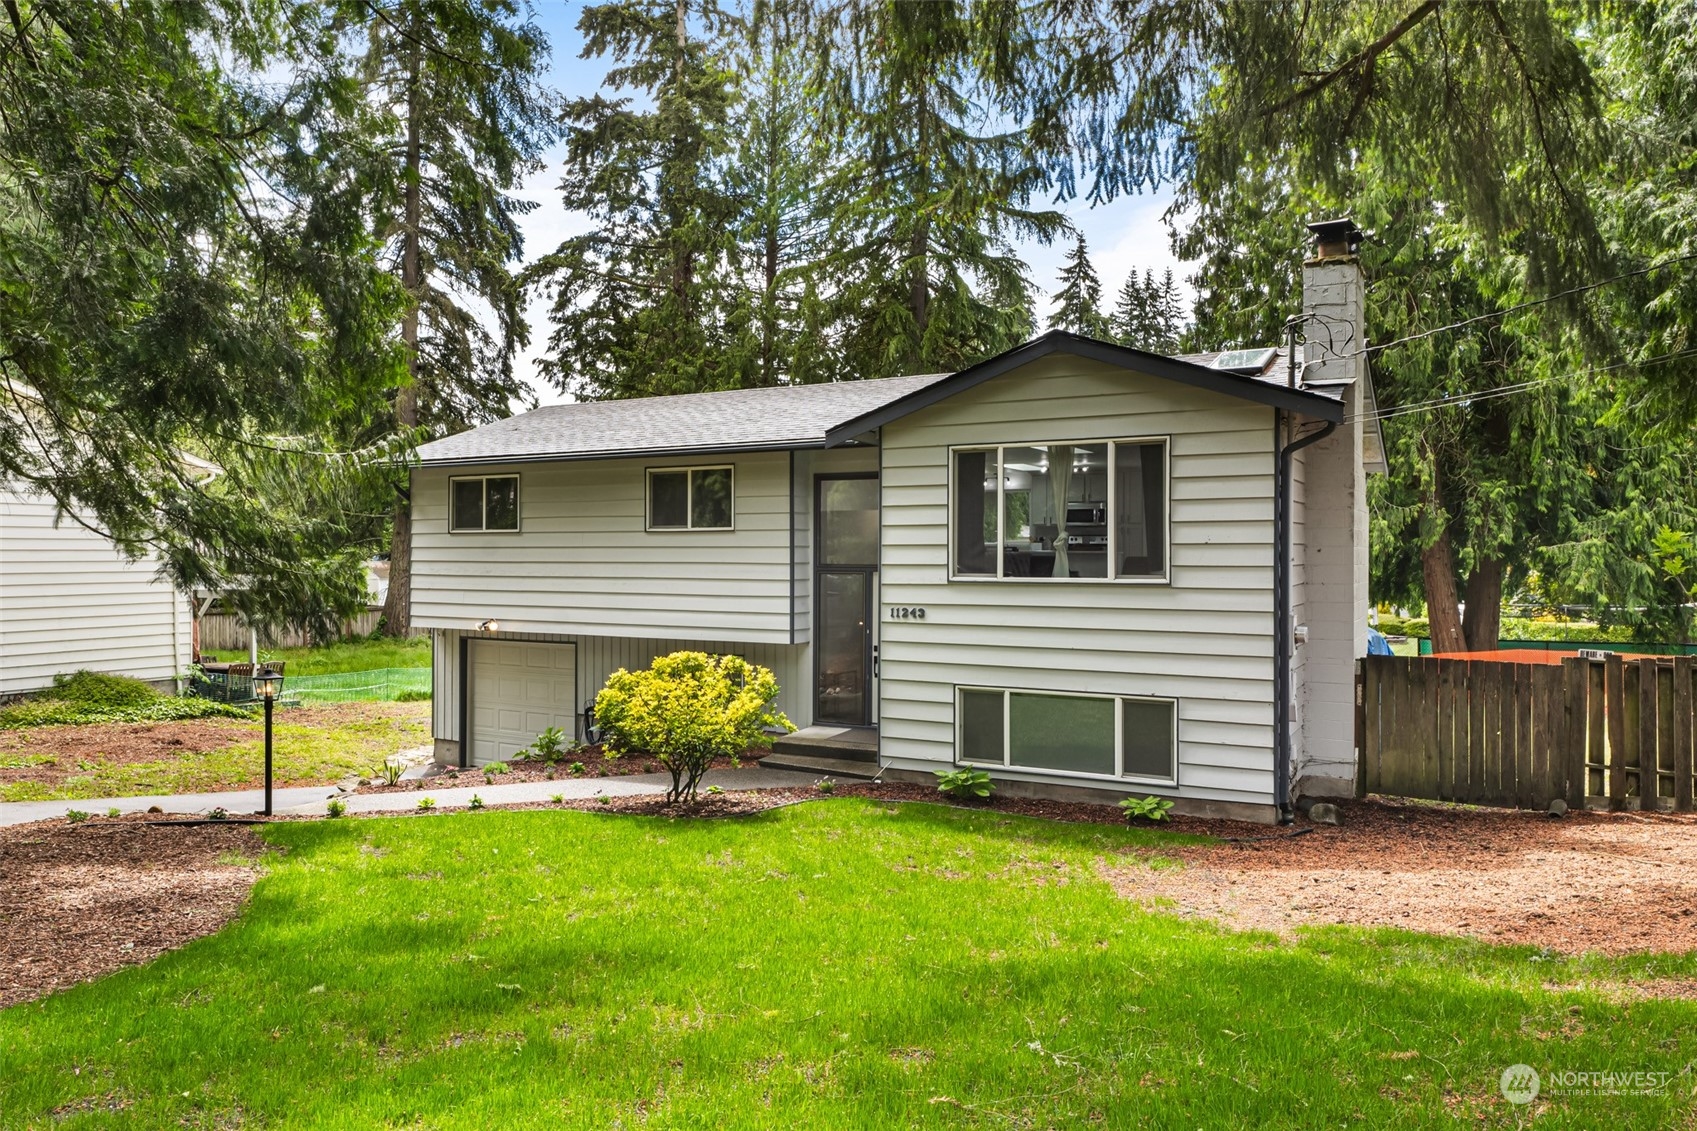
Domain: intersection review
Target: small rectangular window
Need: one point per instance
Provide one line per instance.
(691, 498)
(1147, 738)
(1099, 736)
(484, 503)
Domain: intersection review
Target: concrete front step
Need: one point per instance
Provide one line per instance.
(856, 744)
(825, 767)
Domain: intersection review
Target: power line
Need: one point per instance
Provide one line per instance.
(1454, 399)
(1658, 265)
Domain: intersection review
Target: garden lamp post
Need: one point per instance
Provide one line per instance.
(268, 685)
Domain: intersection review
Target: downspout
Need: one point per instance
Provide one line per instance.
(1284, 632)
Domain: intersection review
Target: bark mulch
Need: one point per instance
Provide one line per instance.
(594, 763)
(86, 899)
(1617, 883)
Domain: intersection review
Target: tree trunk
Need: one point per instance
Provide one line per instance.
(397, 606)
(1484, 621)
(1443, 612)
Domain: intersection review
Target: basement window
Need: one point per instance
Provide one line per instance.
(1131, 737)
(691, 498)
(487, 503)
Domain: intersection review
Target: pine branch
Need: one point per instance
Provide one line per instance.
(1361, 63)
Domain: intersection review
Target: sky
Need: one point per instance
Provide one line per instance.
(1124, 235)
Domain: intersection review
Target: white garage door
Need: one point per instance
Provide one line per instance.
(518, 690)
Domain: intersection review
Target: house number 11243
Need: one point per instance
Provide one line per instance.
(906, 612)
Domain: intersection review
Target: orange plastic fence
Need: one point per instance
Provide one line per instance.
(1527, 656)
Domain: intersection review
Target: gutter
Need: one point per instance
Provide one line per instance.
(1284, 632)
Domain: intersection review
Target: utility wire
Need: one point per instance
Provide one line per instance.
(1452, 399)
(1658, 265)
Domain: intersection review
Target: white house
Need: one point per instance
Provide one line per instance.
(1084, 567)
(70, 600)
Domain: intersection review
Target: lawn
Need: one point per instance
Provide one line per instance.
(312, 745)
(847, 964)
(347, 656)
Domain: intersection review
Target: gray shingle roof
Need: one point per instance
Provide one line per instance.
(788, 416)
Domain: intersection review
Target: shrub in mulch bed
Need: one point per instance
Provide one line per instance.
(595, 765)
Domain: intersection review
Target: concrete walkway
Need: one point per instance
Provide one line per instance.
(309, 800)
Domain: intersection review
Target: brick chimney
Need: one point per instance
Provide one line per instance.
(1330, 568)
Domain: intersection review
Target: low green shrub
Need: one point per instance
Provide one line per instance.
(99, 690)
(476, 802)
(75, 816)
(965, 783)
(114, 812)
(550, 746)
(1145, 808)
(687, 709)
(426, 803)
(46, 711)
(336, 807)
(413, 697)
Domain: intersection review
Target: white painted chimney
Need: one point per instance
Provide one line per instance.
(1330, 555)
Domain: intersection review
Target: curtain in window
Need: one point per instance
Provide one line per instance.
(1060, 485)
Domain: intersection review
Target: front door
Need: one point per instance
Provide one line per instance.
(845, 580)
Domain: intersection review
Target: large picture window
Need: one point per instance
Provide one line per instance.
(1061, 511)
(486, 503)
(1104, 736)
(691, 498)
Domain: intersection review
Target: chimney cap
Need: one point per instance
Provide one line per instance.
(1335, 237)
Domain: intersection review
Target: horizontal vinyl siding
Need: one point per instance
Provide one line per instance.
(583, 562)
(69, 600)
(1205, 639)
(600, 656)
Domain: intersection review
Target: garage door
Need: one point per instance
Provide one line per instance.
(518, 690)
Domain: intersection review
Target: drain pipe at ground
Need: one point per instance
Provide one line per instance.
(1284, 632)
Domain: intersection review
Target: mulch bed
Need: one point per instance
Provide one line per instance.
(130, 743)
(595, 765)
(86, 899)
(1616, 883)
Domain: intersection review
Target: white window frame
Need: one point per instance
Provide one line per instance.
(689, 497)
(518, 504)
(1119, 774)
(1112, 503)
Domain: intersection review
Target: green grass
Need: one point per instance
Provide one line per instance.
(302, 753)
(846, 964)
(349, 656)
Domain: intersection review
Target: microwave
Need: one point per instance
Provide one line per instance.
(1086, 514)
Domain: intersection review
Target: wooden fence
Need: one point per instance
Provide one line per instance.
(1615, 732)
(223, 631)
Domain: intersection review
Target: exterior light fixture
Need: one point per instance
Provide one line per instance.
(490, 625)
(268, 685)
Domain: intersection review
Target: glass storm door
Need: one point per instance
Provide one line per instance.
(845, 577)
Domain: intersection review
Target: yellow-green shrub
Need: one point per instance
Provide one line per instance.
(687, 709)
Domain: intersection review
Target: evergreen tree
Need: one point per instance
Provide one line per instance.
(1078, 304)
(775, 174)
(933, 183)
(457, 119)
(641, 298)
(1149, 314)
(195, 312)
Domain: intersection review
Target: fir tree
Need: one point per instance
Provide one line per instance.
(1078, 304)
(458, 119)
(933, 183)
(641, 298)
(196, 315)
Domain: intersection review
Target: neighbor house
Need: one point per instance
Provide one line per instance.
(1091, 570)
(69, 600)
